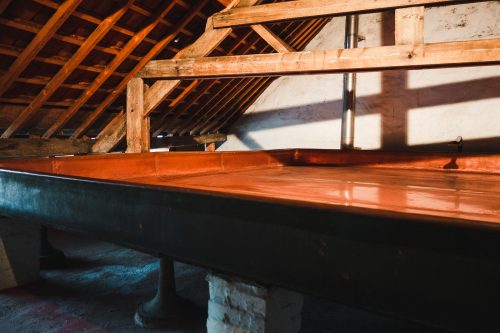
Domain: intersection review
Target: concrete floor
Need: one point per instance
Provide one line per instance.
(100, 287)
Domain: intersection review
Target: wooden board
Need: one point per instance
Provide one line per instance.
(480, 52)
(305, 9)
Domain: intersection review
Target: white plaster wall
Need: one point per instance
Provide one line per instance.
(395, 110)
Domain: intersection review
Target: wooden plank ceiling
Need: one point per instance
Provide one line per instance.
(65, 64)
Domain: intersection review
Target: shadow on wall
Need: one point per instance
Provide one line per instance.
(393, 104)
(391, 140)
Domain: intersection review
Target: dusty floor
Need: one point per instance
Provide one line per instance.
(102, 284)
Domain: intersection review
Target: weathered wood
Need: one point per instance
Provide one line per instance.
(110, 68)
(180, 141)
(111, 135)
(144, 60)
(409, 24)
(137, 126)
(42, 147)
(42, 37)
(201, 48)
(272, 39)
(67, 69)
(305, 9)
(479, 52)
(161, 89)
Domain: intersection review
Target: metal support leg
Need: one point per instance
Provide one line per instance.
(50, 257)
(166, 309)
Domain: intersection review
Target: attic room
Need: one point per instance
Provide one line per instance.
(246, 166)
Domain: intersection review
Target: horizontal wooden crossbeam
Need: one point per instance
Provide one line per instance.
(42, 147)
(181, 141)
(305, 9)
(330, 61)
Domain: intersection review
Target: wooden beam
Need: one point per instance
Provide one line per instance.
(161, 89)
(67, 69)
(111, 135)
(42, 37)
(409, 23)
(106, 73)
(478, 52)
(138, 132)
(123, 84)
(201, 48)
(3, 5)
(42, 147)
(306, 9)
(225, 3)
(272, 39)
(180, 141)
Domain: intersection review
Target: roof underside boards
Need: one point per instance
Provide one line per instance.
(34, 49)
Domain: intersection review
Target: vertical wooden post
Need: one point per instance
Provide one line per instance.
(410, 26)
(138, 136)
(210, 147)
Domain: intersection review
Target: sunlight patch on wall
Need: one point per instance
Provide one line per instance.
(471, 120)
(443, 76)
(368, 131)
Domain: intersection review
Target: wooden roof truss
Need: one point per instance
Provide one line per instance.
(203, 88)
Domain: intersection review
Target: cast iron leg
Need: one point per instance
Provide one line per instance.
(50, 257)
(166, 309)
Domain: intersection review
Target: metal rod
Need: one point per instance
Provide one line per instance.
(349, 91)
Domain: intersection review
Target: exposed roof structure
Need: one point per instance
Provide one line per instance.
(65, 65)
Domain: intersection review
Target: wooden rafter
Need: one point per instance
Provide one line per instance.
(159, 91)
(59, 61)
(123, 84)
(271, 38)
(106, 73)
(74, 40)
(63, 12)
(202, 47)
(297, 39)
(330, 61)
(180, 111)
(306, 9)
(67, 69)
(117, 28)
(111, 135)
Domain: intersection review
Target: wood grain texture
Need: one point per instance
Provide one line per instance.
(42, 147)
(137, 126)
(111, 135)
(330, 61)
(144, 60)
(62, 13)
(67, 69)
(201, 48)
(110, 68)
(306, 9)
(272, 39)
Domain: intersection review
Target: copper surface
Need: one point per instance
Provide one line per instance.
(460, 187)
